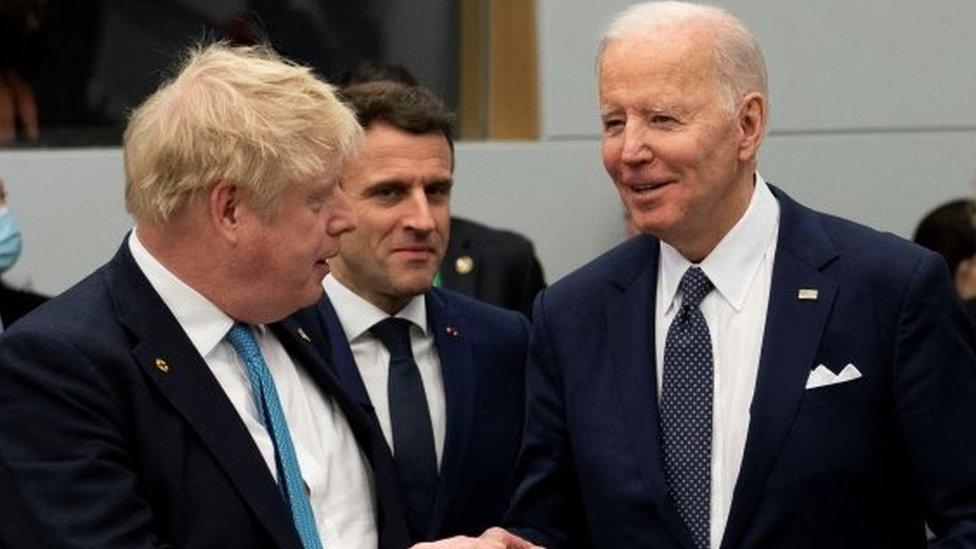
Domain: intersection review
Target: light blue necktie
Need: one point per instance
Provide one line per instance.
(266, 399)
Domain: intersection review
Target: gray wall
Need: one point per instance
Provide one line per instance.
(873, 118)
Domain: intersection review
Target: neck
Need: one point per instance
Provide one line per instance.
(697, 247)
(194, 259)
(389, 304)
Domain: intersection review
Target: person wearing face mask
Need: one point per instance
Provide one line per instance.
(13, 303)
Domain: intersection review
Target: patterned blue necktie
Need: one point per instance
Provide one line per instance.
(266, 400)
(413, 437)
(686, 408)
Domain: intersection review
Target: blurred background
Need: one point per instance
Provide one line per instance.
(873, 106)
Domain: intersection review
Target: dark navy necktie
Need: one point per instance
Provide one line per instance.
(266, 401)
(413, 436)
(686, 408)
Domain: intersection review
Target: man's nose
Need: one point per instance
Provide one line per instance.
(636, 148)
(419, 218)
(342, 219)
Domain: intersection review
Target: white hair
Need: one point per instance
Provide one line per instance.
(735, 52)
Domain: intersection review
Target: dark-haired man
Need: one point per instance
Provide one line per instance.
(441, 373)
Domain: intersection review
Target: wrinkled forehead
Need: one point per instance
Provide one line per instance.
(680, 62)
(692, 42)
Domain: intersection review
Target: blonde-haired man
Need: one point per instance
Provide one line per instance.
(172, 398)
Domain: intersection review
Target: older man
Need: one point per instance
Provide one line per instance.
(749, 373)
(169, 399)
(442, 374)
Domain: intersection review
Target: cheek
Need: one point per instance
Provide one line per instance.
(442, 215)
(609, 152)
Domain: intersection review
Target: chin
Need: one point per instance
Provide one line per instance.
(415, 285)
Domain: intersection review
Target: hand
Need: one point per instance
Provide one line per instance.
(492, 538)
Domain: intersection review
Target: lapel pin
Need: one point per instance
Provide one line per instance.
(464, 264)
(303, 335)
(452, 331)
(807, 294)
(162, 366)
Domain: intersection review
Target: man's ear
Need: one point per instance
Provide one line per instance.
(224, 208)
(752, 125)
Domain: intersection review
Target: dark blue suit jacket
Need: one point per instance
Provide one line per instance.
(857, 464)
(114, 433)
(504, 268)
(482, 350)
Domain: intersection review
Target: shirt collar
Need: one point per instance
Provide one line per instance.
(735, 261)
(205, 324)
(357, 314)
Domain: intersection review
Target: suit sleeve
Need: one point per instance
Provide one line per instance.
(65, 463)
(547, 507)
(934, 388)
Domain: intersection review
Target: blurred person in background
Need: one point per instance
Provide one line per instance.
(14, 303)
(20, 22)
(950, 231)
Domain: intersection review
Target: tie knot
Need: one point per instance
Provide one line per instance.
(242, 339)
(394, 334)
(694, 286)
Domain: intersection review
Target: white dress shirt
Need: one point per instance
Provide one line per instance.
(741, 269)
(333, 466)
(357, 316)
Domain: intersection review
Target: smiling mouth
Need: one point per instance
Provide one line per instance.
(644, 188)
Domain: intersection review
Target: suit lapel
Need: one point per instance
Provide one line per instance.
(304, 344)
(302, 337)
(457, 366)
(630, 318)
(790, 342)
(173, 365)
(340, 356)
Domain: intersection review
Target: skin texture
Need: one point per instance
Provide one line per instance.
(681, 161)
(399, 186)
(257, 268)
(286, 257)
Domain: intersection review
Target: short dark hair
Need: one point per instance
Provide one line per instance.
(950, 230)
(372, 71)
(412, 109)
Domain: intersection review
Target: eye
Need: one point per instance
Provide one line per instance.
(439, 191)
(659, 118)
(612, 124)
(388, 192)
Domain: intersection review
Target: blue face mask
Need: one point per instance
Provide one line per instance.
(10, 240)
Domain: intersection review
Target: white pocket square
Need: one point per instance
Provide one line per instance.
(821, 376)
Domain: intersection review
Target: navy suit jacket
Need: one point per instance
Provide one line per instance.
(856, 464)
(504, 269)
(114, 433)
(482, 351)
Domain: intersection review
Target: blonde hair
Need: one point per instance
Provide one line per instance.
(242, 114)
(736, 55)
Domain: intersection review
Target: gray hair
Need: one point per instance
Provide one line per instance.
(735, 52)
